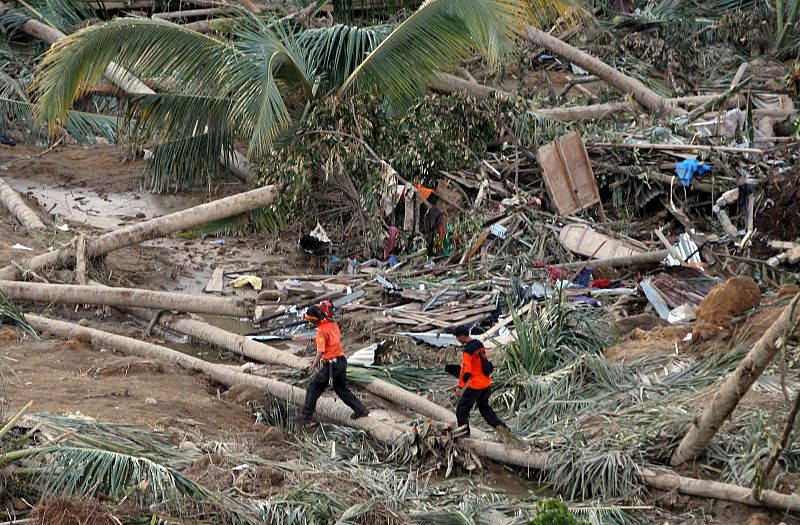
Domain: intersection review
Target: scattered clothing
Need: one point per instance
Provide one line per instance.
(688, 169)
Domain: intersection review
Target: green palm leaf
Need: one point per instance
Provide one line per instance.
(189, 61)
(84, 127)
(335, 52)
(438, 36)
(268, 70)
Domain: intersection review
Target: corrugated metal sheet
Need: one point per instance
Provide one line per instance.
(687, 249)
(432, 338)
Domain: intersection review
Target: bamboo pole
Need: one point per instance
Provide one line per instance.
(82, 294)
(154, 228)
(630, 260)
(17, 207)
(335, 411)
(706, 425)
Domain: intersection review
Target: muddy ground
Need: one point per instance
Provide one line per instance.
(97, 189)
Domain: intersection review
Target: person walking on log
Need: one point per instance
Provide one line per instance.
(475, 385)
(329, 366)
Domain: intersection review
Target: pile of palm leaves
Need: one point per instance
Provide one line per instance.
(605, 419)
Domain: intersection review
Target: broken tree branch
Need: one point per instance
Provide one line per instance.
(706, 425)
(80, 261)
(158, 227)
(630, 260)
(17, 207)
(82, 294)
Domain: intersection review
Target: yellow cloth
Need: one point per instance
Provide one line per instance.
(252, 280)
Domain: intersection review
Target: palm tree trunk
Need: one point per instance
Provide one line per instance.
(267, 354)
(14, 204)
(387, 433)
(154, 228)
(77, 294)
(706, 425)
(641, 93)
(335, 411)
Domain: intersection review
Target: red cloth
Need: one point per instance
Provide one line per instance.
(393, 231)
(600, 283)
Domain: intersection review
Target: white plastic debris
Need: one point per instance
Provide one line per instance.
(19, 246)
(63, 227)
(682, 314)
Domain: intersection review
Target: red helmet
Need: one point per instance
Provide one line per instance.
(314, 315)
(327, 309)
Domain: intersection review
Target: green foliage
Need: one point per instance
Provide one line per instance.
(554, 512)
(10, 314)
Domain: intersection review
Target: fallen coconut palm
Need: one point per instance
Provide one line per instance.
(389, 434)
(337, 412)
(17, 207)
(77, 294)
(708, 423)
(267, 354)
(154, 228)
(623, 83)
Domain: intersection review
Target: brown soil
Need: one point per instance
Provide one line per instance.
(781, 218)
(70, 379)
(728, 300)
(72, 512)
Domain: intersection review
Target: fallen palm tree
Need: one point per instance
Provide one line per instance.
(153, 228)
(17, 207)
(621, 82)
(708, 423)
(390, 434)
(77, 294)
(336, 412)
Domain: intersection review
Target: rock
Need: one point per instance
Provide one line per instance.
(265, 296)
(274, 435)
(150, 401)
(83, 322)
(728, 300)
(759, 518)
(189, 447)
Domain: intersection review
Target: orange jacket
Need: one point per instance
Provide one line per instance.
(329, 340)
(472, 375)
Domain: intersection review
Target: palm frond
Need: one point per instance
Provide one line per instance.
(86, 472)
(335, 52)
(83, 126)
(11, 314)
(269, 68)
(192, 132)
(190, 61)
(438, 36)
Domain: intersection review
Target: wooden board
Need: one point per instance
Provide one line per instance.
(216, 284)
(583, 240)
(568, 174)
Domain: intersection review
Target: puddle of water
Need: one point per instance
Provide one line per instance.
(105, 211)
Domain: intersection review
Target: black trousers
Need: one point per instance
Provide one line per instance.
(336, 369)
(472, 397)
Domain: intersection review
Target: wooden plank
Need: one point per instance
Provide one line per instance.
(215, 284)
(583, 240)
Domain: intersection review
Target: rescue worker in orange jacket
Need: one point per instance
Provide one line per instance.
(329, 366)
(474, 386)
